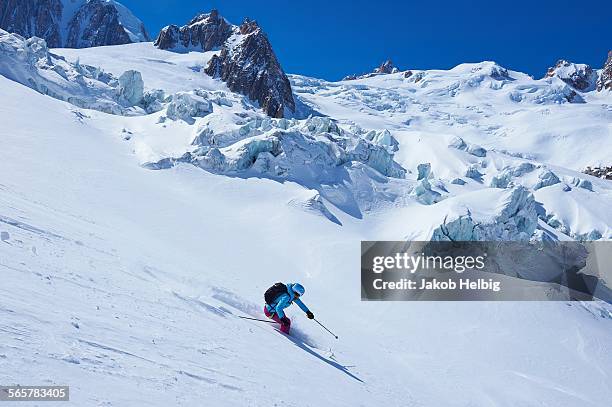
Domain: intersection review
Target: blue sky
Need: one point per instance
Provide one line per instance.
(331, 39)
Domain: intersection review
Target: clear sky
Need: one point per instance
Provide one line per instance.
(330, 39)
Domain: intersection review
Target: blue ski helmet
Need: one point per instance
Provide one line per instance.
(298, 289)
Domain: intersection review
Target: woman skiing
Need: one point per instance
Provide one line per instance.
(280, 296)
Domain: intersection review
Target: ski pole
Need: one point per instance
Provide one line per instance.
(334, 335)
(256, 319)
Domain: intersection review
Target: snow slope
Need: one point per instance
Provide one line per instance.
(114, 275)
(118, 277)
(160, 69)
(473, 119)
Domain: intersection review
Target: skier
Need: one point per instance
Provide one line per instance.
(280, 296)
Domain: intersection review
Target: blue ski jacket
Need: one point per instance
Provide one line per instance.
(285, 300)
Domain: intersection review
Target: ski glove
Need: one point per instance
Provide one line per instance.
(285, 321)
(310, 315)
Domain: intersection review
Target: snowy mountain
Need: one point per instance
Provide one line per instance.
(578, 76)
(72, 23)
(204, 32)
(246, 63)
(145, 204)
(468, 117)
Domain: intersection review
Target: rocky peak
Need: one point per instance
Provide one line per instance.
(249, 26)
(246, 63)
(74, 23)
(386, 67)
(33, 18)
(205, 18)
(605, 78)
(98, 22)
(578, 76)
(204, 32)
(249, 66)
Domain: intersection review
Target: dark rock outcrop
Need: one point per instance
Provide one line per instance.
(91, 23)
(246, 63)
(605, 78)
(386, 67)
(97, 23)
(250, 67)
(29, 18)
(578, 76)
(204, 32)
(599, 172)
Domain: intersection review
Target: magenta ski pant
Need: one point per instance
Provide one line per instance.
(284, 328)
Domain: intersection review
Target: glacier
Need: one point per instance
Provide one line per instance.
(144, 206)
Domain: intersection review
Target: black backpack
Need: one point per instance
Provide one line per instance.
(274, 292)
